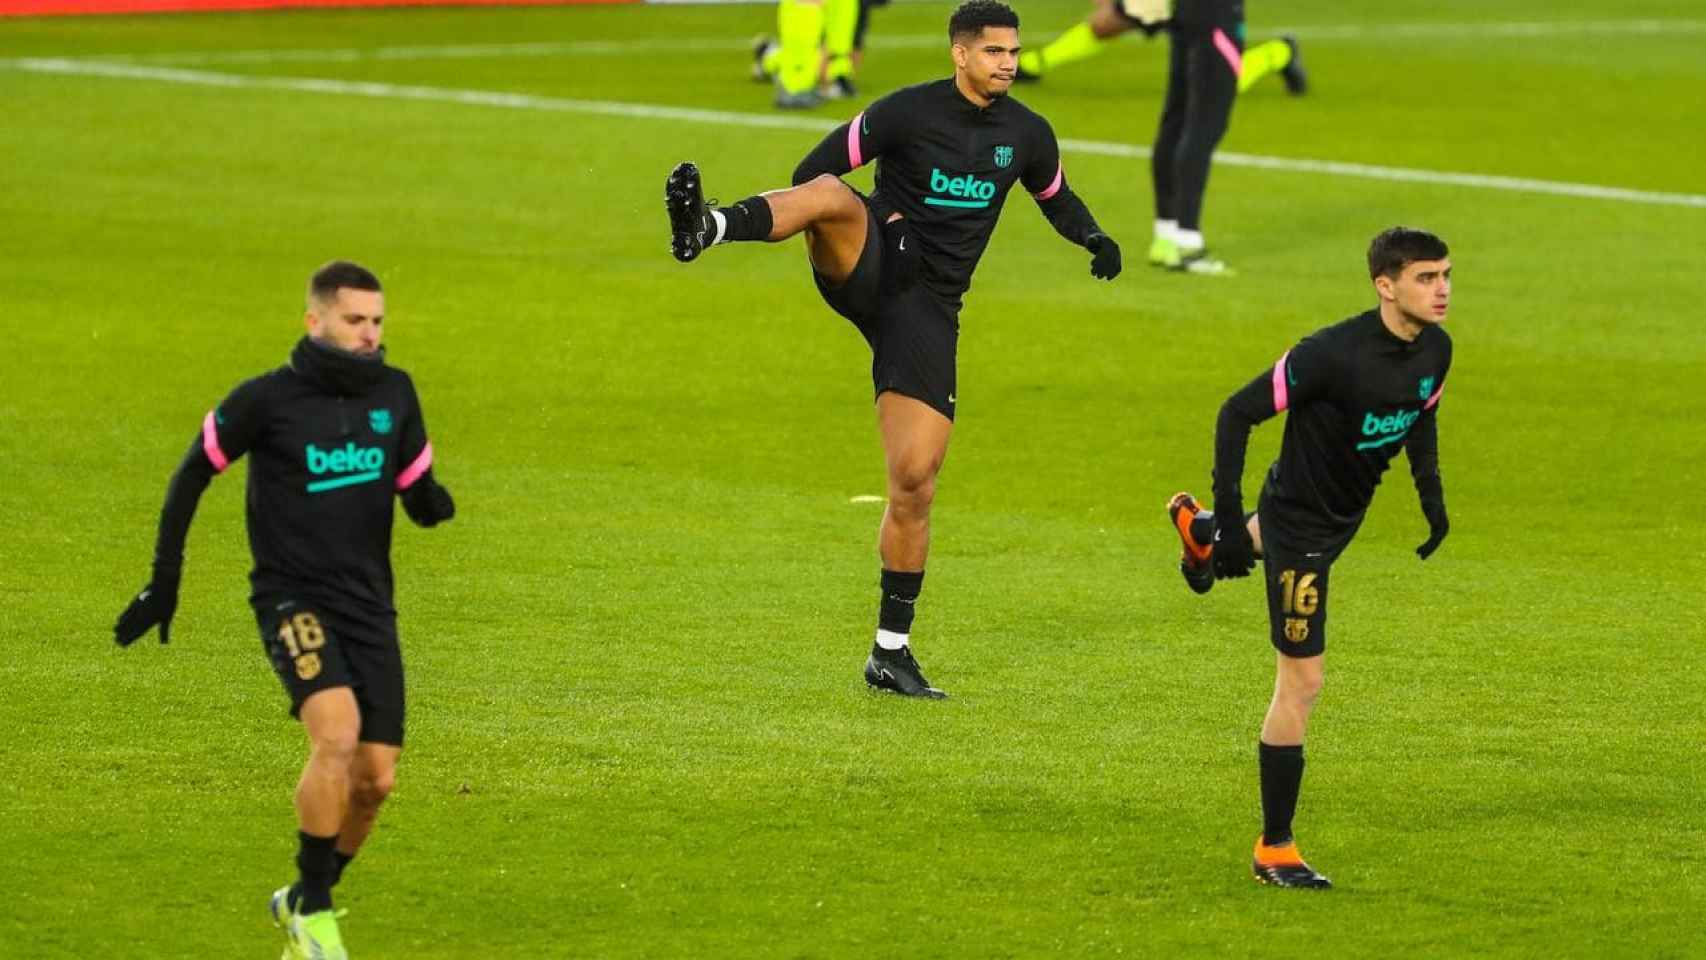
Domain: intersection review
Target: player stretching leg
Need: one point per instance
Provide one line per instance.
(898, 262)
(1358, 392)
(334, 436)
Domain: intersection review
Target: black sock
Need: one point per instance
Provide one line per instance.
(747, 220)
(317, 861)
(340, 861)
(900, 597)
(1202, 527)
(1282, 777)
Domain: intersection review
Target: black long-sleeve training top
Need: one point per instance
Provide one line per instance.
(332, 439)
(1357, 393)
(946, 164)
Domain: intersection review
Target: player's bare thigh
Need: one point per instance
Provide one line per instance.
(833, 219)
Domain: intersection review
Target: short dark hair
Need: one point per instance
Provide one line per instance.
(973, 15)
(1394, 249)
(324, 285)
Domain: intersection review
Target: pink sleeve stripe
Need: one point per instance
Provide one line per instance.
(1229, 50)
(210, 443)
(855, 156)
(422, 463)
(1433, 401)
(1053, 188)
(1281, 399)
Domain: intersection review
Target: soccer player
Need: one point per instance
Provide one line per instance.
(1357, 392)
(1111, 18)
(898, 262)
(333, 437)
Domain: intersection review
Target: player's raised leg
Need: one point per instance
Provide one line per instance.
(1297, 684)
(915, 442)
(825, 209)
(1195, 527)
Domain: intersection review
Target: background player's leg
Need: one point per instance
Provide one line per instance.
(1163, 251)
(1081, 42)
(372, 776)
(799, 27)
(1214, 64)
(840, 22)
(1262, 60)
(333, 723)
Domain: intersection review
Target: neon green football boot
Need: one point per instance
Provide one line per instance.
(1163, 252)
(316, 936)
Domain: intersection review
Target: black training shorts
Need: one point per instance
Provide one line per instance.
(914, 337)
(313, 648)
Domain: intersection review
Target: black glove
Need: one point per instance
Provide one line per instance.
(900, 257)
(428, 503)
(1438, 525)
(1234, 554)
(156, 604)
(1105, 265)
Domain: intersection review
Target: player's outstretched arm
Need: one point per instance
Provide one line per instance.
(1234, 552)
(1422, 448)
(1045, 178)
(157, 602)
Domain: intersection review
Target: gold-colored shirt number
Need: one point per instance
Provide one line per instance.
(1298, 594)
(302, 635)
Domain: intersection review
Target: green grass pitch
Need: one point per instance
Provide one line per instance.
(637, 725)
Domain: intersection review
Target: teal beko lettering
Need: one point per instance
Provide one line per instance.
(1387, 429)
(348, 466)
(962, 191)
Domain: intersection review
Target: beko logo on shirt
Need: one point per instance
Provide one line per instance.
(1386, 429)
(347, 465)
(962, 191)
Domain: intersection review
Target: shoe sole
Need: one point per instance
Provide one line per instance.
(683, 199)
(1182, 509)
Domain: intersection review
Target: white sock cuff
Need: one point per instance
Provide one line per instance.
(722, 223)
(890, 640)
(1166, 228)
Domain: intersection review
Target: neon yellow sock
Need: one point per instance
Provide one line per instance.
(1079, 43)
(799, 26)
(840, 20)
(1261, 60)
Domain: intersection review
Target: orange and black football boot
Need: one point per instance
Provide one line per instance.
(1282, 866)
(1194, 563)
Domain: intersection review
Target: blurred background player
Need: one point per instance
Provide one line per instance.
(820, 50)
(1205, 63)
(1108, 19)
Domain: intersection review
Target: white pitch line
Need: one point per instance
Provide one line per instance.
(595, 48)
(728, 118)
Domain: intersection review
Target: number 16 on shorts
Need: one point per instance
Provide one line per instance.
(1297, 610)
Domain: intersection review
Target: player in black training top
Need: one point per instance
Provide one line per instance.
(332, 437)
(896, 264)
(1357, 392)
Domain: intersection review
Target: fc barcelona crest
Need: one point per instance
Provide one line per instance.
(1296, 629)
(379, 420)
(1425, 389)
(1003, 156)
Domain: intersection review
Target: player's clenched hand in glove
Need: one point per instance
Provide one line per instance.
(428, 503)
(1234, 554)
(155, 605)
(900, 256)
(1105, 264)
